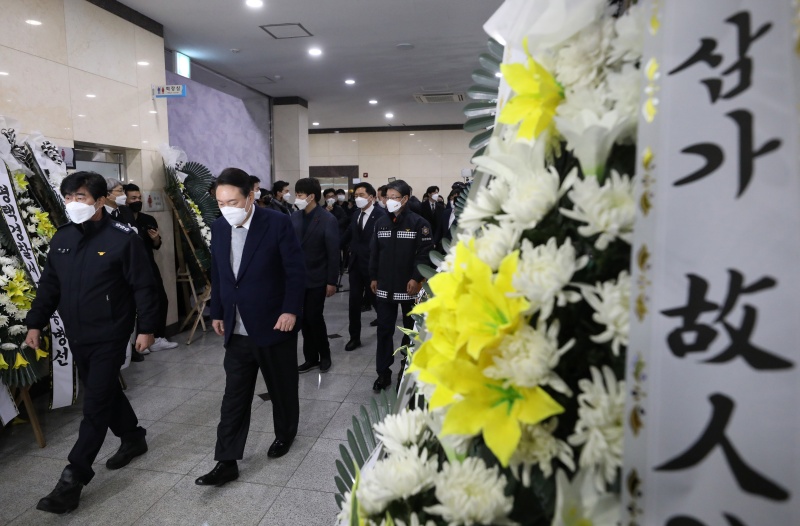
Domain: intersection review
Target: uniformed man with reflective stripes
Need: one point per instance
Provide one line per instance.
(402, 242)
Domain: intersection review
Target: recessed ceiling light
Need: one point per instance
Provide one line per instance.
(33, 22)
(254, 3)
(389, 115)
(153, 111)
(350, 82)
(144, 142)
(135, 125)
(143, 63)
(81, 115)
(4, 73)
(354, 140)
(315, 52)
(405, 46)
(373, 101)
(314, 124)
(411, 134)
(91, 95)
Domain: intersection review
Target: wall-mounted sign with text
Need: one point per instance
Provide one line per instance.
(168, 91)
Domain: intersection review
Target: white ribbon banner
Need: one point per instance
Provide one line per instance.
(711, 427)
(65, 388)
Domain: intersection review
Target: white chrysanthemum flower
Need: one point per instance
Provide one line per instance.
(470, 493)
(413, 520)
(624, 91)
(599, 427)
(538, 446)
(609, 210)
(8, 347)
(9, 269)
(579, 502)
(591, 134)
(580, 61)
(403, 430)
(542, 273)
(3, 320)
(16, 330)
(628, 40)
(485, 206)
(528, 357)
(399, 476)
(611, 303)
(495, 242)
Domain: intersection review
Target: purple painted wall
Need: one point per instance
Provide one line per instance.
(219, 130)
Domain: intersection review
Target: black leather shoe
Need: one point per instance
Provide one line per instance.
(384, 380)
(66, 495)
(307, 367)
(366, 308)
(324, 367)
(352, 345)
(222, 473)
(374, 323)
(127, 452)
(279, 448)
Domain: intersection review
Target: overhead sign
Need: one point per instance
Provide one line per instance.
(168, 91)
(713, 374)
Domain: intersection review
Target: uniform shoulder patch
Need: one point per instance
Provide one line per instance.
(426, 231)
(120, 226)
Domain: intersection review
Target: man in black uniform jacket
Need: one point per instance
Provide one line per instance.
(98, 277)
(402, 242)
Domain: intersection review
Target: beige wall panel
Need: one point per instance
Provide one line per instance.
(47, 40)
(111, 117)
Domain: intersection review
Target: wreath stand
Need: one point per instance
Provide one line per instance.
(184, 276)
(23, 394)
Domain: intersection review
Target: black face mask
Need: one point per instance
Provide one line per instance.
(136, 207)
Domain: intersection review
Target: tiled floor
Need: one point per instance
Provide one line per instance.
(177, 395)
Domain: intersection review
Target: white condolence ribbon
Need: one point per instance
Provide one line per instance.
(65, 389)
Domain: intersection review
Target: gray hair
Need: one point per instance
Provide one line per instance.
(112, 183)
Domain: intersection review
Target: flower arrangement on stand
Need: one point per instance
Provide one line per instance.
(521, 347)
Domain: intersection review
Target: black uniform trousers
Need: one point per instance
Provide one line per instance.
(387, 319)
(163, 305)
(316, 347)
(105, 405)
(278, 364)
(359, 292)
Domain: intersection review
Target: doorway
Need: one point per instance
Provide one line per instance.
(336, 177)
(106, 162)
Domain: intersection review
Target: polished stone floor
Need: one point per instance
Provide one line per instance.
(177, 395)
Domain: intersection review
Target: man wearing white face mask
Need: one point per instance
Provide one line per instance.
(257, 278)
(255, 182)
(116, 204)
(98, 277)
(401, 243)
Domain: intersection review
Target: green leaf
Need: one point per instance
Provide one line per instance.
(478, 153)
(365, 451)
(490, 62)
(486, 78)
(376, 415)
(480, 140)
(477, 124)
(368, 426)
(482, 92)
(340, 485)
(496, 48)
(357, 456)
(446, 244)
(437, 258)
(426, 271)
(348, 462)
(428, 289)
(476, 109)
(339, 500)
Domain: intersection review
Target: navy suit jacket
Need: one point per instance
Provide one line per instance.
(320, 246)
(360, 240)
(271, 280)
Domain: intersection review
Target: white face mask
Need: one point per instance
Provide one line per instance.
(234, 215)
(393, 205)
(120, 200)
(362, 202)
(340, 197)
(381, 204)
(301, 204)
(80, 212)
(330, 201)
(286, 197)
(257, 195)
(435, 198)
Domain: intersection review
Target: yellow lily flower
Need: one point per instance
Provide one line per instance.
(19, 178)
(21, 362)
(43, 225)
(41, 354)
(537, 95)
(492, 407)
(3, 362)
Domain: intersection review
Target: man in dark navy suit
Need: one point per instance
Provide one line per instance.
(359, 236)
(318, 232)
(257, 278)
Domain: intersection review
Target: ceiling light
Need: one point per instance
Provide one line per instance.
(143, 63)
(81, 115)
(144, 142)
(254, 3)
(33, 22)
(91, 95)
(235, 50)
(314, 124)
(411, 134)
(315, 52)
(373, 101)
(350, 82)
(389, 115)
(405, 46)
(153, 111)
(4, 73)
(135, 125)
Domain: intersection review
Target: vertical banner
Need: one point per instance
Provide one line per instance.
(65, 388)
(711, 425)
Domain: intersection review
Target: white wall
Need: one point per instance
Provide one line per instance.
(421, 158)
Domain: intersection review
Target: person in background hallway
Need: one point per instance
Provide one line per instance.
(402, 241)
(343, 220)
(360, 235)
(257, 279)
(382, 197)
(148, 231)
(432, 211)
(115, 203)
(318, 233)
(280, 192)
(98, 277)
(256, 182)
